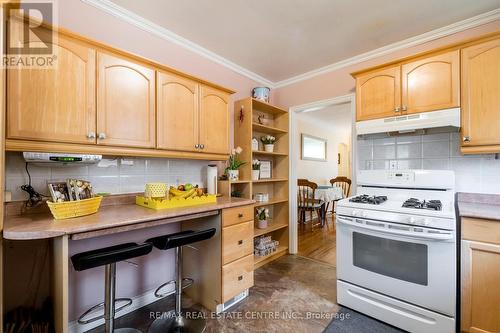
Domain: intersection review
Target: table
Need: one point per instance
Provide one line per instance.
(326, 194)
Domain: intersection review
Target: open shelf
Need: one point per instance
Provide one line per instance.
(270, 202)
(268, 129)
(270, 228)
(271, 180)
(259, 261)
(261, 152)
(262, 106)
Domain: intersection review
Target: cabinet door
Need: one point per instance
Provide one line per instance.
(480, 287)
(125, 103)
(431, 83)
(378, 93)
(480, 94)
(56, 104)
(178, 101)
(214, 121)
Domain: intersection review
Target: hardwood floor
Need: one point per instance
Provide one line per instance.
(318, 243)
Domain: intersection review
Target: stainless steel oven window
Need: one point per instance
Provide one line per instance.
(401, 260)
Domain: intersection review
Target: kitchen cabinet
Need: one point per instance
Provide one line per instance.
(214, 120)
(178, 117)
(480, 275)
(431, 83)
(480, 97)
(125, 103)
(53, 104)
(378, 93)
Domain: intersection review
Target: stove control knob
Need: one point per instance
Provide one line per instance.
(426, 222)
(355, 213)
(412, 220)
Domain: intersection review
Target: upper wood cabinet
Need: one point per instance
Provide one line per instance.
(378, 93)
(481, 97)
(125, 103)
(426, 84)
(431, 83)
(178, 118)
(56, 104)
(214, 120)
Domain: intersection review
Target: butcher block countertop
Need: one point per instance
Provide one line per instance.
(481, 206)
(117, 214)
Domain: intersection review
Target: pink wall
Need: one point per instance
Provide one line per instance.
(340, 82)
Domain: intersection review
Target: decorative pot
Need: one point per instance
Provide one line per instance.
(255, 174)
(262, 224)
(269, 148)
(233, 175)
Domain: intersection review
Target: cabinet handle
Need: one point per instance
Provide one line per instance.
(102, 136)
(197, 146)
(397, 110)
(91, 135)
(466, 138)
(202, 146)
(404, 108)
(240, 242)
(240, 277)
(240, 215)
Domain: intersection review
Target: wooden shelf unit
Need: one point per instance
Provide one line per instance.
(246, 128)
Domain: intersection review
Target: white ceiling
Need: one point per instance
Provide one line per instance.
(333, 116)
(279, 39)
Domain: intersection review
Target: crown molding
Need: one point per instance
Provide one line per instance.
(451, 29)
(157, 30)
(153, 28)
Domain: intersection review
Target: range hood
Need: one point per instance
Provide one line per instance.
(447, 119)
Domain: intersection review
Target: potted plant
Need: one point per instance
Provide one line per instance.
(232, 171)
(262, 217)
(255, 169)
(268, 141)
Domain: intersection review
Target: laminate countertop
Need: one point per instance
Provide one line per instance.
(112, 217)
(481, 206)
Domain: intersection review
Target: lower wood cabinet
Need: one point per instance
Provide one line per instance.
(236, 277)
(480, 270)
(237, 241)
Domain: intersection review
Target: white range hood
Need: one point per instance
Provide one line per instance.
(449, 118)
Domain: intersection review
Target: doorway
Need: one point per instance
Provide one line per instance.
(331, 121)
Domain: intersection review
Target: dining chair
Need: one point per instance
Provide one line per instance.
(345, 184)
(306, 202)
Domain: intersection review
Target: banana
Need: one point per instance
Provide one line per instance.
(194, 194)
(188, 193)
(176, 193)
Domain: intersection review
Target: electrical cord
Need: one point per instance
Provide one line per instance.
(34, 197)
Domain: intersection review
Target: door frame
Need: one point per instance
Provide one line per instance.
(294, 151)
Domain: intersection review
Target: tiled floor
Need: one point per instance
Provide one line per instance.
(318, 243)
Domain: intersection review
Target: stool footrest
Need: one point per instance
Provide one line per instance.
(186, 282)
(83, 321)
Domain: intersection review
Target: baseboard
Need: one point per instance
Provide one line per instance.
(137, 302)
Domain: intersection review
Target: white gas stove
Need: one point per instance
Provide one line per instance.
(396, 249)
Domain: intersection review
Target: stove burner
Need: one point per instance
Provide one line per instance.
(367, 199)
(415, 203)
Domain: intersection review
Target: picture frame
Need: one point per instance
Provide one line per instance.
(266, 169)
(313, 148)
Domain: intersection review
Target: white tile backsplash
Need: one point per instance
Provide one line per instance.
(441, 151)
(112, 175)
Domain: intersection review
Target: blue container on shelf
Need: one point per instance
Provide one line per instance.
(261, 93)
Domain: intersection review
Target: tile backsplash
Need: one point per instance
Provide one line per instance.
(441, 151)
(111, 175)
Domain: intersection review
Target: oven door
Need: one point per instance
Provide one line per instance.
(413, 264)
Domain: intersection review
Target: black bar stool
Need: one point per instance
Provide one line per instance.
(177, 322)
(109, 256)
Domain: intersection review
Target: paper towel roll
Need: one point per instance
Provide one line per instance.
(212, 179)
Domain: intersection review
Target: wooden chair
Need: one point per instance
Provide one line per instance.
(345, 184)
(306, 201)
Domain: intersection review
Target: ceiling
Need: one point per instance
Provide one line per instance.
(333, 116)
(279, 39)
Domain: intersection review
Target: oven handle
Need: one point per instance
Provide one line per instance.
(436, 237)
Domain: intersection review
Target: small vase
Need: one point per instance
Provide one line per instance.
(262, 224)
(233, 175)
(255, 174)
(269, 148)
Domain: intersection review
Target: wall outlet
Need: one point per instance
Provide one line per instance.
(393, 165)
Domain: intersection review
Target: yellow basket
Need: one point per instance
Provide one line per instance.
(174, 202)
(69, 209)
(155, 190)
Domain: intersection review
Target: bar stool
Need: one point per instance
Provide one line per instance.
(108, 257)
(177, 322)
